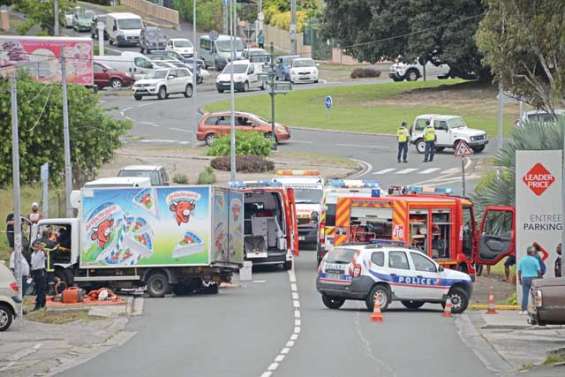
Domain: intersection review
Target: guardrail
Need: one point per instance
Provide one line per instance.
(155, 11)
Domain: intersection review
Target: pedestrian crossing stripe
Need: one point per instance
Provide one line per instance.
(415, 171)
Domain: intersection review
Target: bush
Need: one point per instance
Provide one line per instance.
(208, 13)
(365, 72)
(244, 164)
(180, 179)
(246, 144)
(207, 176)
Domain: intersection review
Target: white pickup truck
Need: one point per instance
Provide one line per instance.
(413, 71)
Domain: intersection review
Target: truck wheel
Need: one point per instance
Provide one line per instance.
(459, 300)
(381, 290)
(412, 305)
(420, 146)
(332, 302)
(6, 317)
(157, 284)
(412, 75)
(288, 265)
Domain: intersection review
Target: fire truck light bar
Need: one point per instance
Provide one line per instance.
(259, 183)
(353, 183)
(429, 190)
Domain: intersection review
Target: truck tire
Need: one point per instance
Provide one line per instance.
(332, 302)
(420, 146)
(412, 75)
(6, 317)
(384, 291)
(157, 284)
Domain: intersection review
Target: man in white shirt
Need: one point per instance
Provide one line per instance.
(25, 270)
(39, 274)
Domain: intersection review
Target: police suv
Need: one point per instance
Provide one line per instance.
(390, 273)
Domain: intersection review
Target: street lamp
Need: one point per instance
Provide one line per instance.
(232, 91)
(194, 71)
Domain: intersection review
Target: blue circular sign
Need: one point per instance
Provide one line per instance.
(328, 102)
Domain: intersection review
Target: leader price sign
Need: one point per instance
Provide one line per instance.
(538, 204)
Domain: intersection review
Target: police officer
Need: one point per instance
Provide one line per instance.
(430, 140)
(402, 135)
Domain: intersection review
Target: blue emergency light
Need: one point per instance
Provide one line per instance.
(386, 243)
(258, 183)
(428, 190)
(354, 183)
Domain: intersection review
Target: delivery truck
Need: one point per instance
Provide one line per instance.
(172, 238)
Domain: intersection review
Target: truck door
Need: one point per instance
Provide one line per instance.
(292, 221)
(497, 236)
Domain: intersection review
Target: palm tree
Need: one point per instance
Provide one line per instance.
(498, 186)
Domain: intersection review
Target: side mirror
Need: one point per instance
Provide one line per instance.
(440, 268)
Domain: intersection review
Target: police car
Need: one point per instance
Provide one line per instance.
(391, 272)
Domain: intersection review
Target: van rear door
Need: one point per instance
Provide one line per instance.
(498, 235)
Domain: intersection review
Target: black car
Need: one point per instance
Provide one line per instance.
(152, 38)
(94, 26)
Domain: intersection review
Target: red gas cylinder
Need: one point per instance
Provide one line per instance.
(72, 295)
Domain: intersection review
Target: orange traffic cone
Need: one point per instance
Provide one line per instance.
(377, 316)
(491, 303)
(447, 308)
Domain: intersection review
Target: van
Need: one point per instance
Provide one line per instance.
(123, 28)
(244, 77)
(217, 52)
(133, 62)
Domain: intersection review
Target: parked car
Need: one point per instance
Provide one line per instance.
(400, 71)
(82, 19)
(213, 125)
(450, 130)
(547, 303)
(282, 66)
(157, 174)
(152, 38)
(304, 70)
(540, 116)
(68, 18)
(171, 56)
(244, 77)
(164, 82)
(104, 77)
(9, 301)
(181, 46)
(123, 28)
(94, 26)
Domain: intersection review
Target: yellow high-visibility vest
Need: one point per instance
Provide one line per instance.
(402, 135)
(429, 134)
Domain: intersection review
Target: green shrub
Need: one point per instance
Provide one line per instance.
(208, 13)
(207, 176)
(180, 179)
(246, 144)
(365, 72)
(244, 164)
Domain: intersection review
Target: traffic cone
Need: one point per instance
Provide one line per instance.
(491, 309)
(377, 316)
(447, 308)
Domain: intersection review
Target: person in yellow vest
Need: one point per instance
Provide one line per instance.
(430, 140)
(402, 135)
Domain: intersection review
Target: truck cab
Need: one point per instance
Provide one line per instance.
(270, 233)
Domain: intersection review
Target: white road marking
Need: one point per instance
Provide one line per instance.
(290, 344)
(406, 171)
(451, 171)
(297, 322)
(367, 168)
(296, 303)
(285, 350)
(162, 141)
(293, 287)
(279, 358)
(384, 171)
(273, 366)
(267, 374)
(295, 296)
(428, 171)
(297, 313)
(259, 281)
(302, 142)
(180, 130)
(294, 337)
(297, 330)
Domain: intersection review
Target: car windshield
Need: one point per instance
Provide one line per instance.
(182, 43)
(159, 74)
(154, 34)
(153, 175)
(130, 23)
(544, 117)
(238, 68)
(340, 255)
(306, 195)
(225, 45)
(303, 63)
(259, 58)
(456, 123)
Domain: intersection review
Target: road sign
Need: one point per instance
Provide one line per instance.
(463, 150)
(280, 87)
(328, 102)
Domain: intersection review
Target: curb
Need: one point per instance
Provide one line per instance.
(498, 307)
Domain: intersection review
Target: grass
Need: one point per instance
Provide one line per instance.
(555, 357)
(379, 108)
(60, 317)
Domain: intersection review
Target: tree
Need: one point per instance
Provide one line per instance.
(94, 134)
(524, 43)
(438, 30)
(40, 13)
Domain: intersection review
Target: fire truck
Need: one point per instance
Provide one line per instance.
(270, 227)
(339, 188)
(440, 225)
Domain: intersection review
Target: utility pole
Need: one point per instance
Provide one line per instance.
(500, 116)
(194, 69)
(67, 139)
(232, 92)
(272, 93)
(260, 18)
(226, 8)
(16, 186)
(293, 47)
(56, 17)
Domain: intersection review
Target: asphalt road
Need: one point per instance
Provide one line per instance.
(259, 330)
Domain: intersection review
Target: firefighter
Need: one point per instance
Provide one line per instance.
(430, 140)
(402, 135)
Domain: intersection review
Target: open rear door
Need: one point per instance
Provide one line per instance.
(293, 221)
(498, 235)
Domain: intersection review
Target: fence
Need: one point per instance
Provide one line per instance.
(281, 41)
(156, 11)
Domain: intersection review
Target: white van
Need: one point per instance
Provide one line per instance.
(217, 52)
(133, 62)
(123, 28)
(244, 77)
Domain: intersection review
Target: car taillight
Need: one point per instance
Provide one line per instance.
(14, 286)
(538, 300)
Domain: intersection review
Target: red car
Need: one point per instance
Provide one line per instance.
(105, 76)
(218, 124)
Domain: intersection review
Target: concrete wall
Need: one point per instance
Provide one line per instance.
(339, 57)
(147, 8)
(281, 41)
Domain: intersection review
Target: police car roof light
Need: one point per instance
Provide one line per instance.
(428, 190)
(353, 183)
(258, 183)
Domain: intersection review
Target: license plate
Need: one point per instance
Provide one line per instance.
(257, 255)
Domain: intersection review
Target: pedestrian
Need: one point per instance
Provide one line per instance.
(528, 269)
(402, 135)
(10, 229)
(509, 262)
(539, 254)
(38, 273)
(261, 39)
(558, 262)
(35, 215)
(430, 140)
(24, 268)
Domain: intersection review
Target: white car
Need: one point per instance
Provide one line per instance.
(304, 70)
(181, 46)
(9, 301)
(450, 130)
(244, 77)
(400, 71)
(390, 273)
(163, 82)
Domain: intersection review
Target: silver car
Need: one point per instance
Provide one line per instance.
(9, 301)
